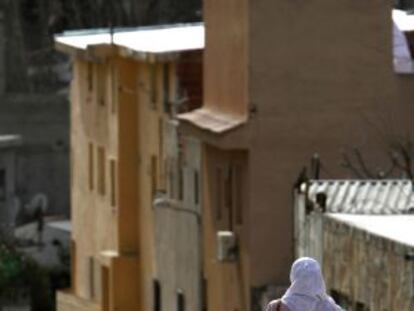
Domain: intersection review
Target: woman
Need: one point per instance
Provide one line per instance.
(307, 291)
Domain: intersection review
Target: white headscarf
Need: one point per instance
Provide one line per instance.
(307, 291)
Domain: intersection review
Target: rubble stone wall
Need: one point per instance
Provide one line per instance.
(367, 272)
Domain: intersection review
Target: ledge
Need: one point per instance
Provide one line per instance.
(67, 301)
(215, 122)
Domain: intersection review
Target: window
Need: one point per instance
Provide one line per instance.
(153, 86)
(101, 171)
(90, 76)
(113, 82)
(91, 166)
(73, 262)
(204, 297)
(101, 84)
(180, 171)
(166, 87)
(161, 148)
(157, 295)
(71, 167)
(113, 182)
(219, 193)
(91, 278)
(229, 191)
(154, 173)
(105, 288)
(238, 193)
(180, 183)
(180, 301)
(196, 188)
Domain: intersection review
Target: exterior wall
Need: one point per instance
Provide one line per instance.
(353, 262)
(319, 82)
(94, 219)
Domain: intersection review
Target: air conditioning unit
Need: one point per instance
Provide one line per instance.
(226, 246)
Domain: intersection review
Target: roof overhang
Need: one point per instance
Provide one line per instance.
(219, 129)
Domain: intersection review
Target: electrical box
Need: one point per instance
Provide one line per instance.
(226, 246)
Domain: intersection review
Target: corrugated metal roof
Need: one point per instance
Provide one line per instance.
(370, 197)
(155, 39)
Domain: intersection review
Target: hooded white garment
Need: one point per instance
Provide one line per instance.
(307, 291)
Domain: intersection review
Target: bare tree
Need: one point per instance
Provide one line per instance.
(398, 147)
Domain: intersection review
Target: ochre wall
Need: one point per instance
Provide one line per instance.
(128, 125)
(94, 221)
(225, 56)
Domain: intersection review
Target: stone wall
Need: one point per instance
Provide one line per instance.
(367, 272)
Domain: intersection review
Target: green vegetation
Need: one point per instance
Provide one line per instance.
(17, 273)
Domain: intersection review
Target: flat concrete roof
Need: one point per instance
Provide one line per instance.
(10, 141)
(398, 228)
(152, 40)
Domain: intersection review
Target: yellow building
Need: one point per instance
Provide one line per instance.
(124, 89)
